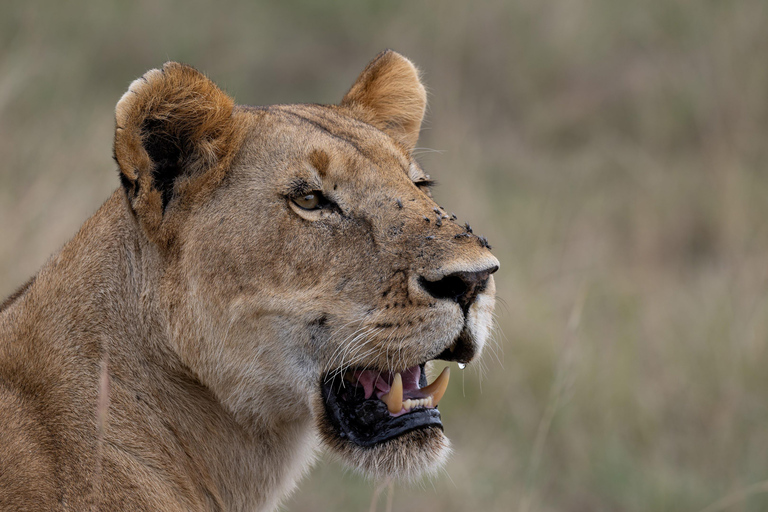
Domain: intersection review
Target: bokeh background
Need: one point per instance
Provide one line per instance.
(615, 154)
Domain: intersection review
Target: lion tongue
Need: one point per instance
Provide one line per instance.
(371, 382)
(379, 383)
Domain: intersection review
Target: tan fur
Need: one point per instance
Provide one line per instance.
(218, 305)
(389, 95)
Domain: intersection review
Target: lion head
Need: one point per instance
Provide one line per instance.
(305, 273)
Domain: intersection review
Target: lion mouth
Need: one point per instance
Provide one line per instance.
(368, 407)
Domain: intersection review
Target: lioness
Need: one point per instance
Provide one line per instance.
(264, 279)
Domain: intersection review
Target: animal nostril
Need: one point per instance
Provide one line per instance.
(460, 287)
(451, 287)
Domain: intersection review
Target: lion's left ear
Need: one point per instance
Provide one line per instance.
(174, 138)
(389, 95)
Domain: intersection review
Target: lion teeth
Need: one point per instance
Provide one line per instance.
(417, 402)
(394, 399)
(436, 390)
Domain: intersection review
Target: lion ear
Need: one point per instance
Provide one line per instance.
(173, 126)
(389, 95)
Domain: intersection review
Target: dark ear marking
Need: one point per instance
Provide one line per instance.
(165, 152)
(129, 186)
(175, 135)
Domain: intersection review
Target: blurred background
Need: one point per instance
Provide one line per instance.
(614, 153)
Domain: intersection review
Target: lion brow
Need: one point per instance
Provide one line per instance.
(325, 129)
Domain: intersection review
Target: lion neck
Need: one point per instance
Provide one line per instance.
(160, 415)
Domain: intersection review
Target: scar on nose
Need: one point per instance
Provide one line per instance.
(320, 161)
(399, 203)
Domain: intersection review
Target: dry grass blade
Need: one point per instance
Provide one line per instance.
(555, 395)
(737, 497)
(102, 410)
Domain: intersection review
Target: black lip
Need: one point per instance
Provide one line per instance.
(367, 422)
(462, 351)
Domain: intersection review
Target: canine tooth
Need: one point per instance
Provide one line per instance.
(436, 390)
(394, 399)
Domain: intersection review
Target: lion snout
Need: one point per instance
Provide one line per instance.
(462, 287)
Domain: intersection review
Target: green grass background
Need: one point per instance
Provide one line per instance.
(614, 153)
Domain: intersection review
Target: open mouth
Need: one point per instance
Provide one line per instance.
(368, 407)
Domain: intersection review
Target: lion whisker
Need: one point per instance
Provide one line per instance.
(352, 350)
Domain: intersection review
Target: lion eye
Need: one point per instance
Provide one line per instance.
(311, 201)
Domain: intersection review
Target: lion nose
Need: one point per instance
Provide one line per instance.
(460, 287)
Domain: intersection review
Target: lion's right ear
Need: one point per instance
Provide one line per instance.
(174, 134)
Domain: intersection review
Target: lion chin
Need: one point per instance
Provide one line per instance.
(406, 458)
(367, 422)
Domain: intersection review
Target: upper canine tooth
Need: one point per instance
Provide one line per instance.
(437, 389)
(394, 399)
